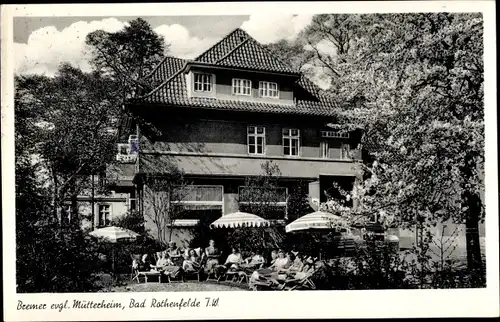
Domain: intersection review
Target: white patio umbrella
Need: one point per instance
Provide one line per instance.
(240, 219)
(316, 220)
(114, 235)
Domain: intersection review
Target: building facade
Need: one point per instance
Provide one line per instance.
(220, 117)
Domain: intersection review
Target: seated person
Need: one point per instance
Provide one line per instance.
(191, 262)
(162, 261)
(275, 272)
(145, 264)
(255, 259)
(274, 255)
(174, 252)
(234, 260)
(170, 268)
(296, 263)
(281, 262)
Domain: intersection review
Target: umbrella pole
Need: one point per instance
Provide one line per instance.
(113, 261)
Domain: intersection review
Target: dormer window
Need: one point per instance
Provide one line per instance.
(268, 89)
(242, 87)
(203, 82)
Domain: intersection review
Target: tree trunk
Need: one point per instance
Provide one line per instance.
(471, 201)
(474, 259)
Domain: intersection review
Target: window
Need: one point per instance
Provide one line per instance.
(256, 136)
(194, 202)
(291, 142)
(345, 151)
(66, 213)
(132, 204)
(242, 87)
(271, 201)
(323, 147)
(202, 82)
(123, 148)
(268, 89)
(104, 215)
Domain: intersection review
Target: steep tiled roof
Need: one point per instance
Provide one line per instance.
(166, 69)
(236, 50)
(223, 46)
(252, 55)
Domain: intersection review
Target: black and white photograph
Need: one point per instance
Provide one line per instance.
(258, 152)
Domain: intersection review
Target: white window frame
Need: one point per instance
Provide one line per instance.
(130, 200)
(287, 134)
(99, 214)
(254, 135)
(125, 146)
(204, 81)
(324, 149)
(265, 90)
(242, 87)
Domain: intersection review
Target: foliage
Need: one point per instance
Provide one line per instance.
(47, 261)
(202, 233)
(62, 136)
(298, 202)
(414, 84)
(132, 220)
(127, 55)
(68, 122)
(292, 52)
(262, 193)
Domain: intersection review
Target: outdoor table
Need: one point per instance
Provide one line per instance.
(151, 273)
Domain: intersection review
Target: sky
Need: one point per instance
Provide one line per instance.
(41, 44)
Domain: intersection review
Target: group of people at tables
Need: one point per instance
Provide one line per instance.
(174, 262)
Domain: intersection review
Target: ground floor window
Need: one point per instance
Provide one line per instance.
(104, 212)
(198, 202)
(269, 203)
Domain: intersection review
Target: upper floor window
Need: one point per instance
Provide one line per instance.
(345, 151)
(256, 139)
(268, 89)
(323, 149)
(202, 82)
(291, 141)
(104, 215)
(242, 87)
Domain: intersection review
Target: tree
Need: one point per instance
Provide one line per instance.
(298, 202)
(414, 84)
(127, 55)
(163, 195)
(70, 120)
(291, 52)
(262, 196)
(39, 242)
